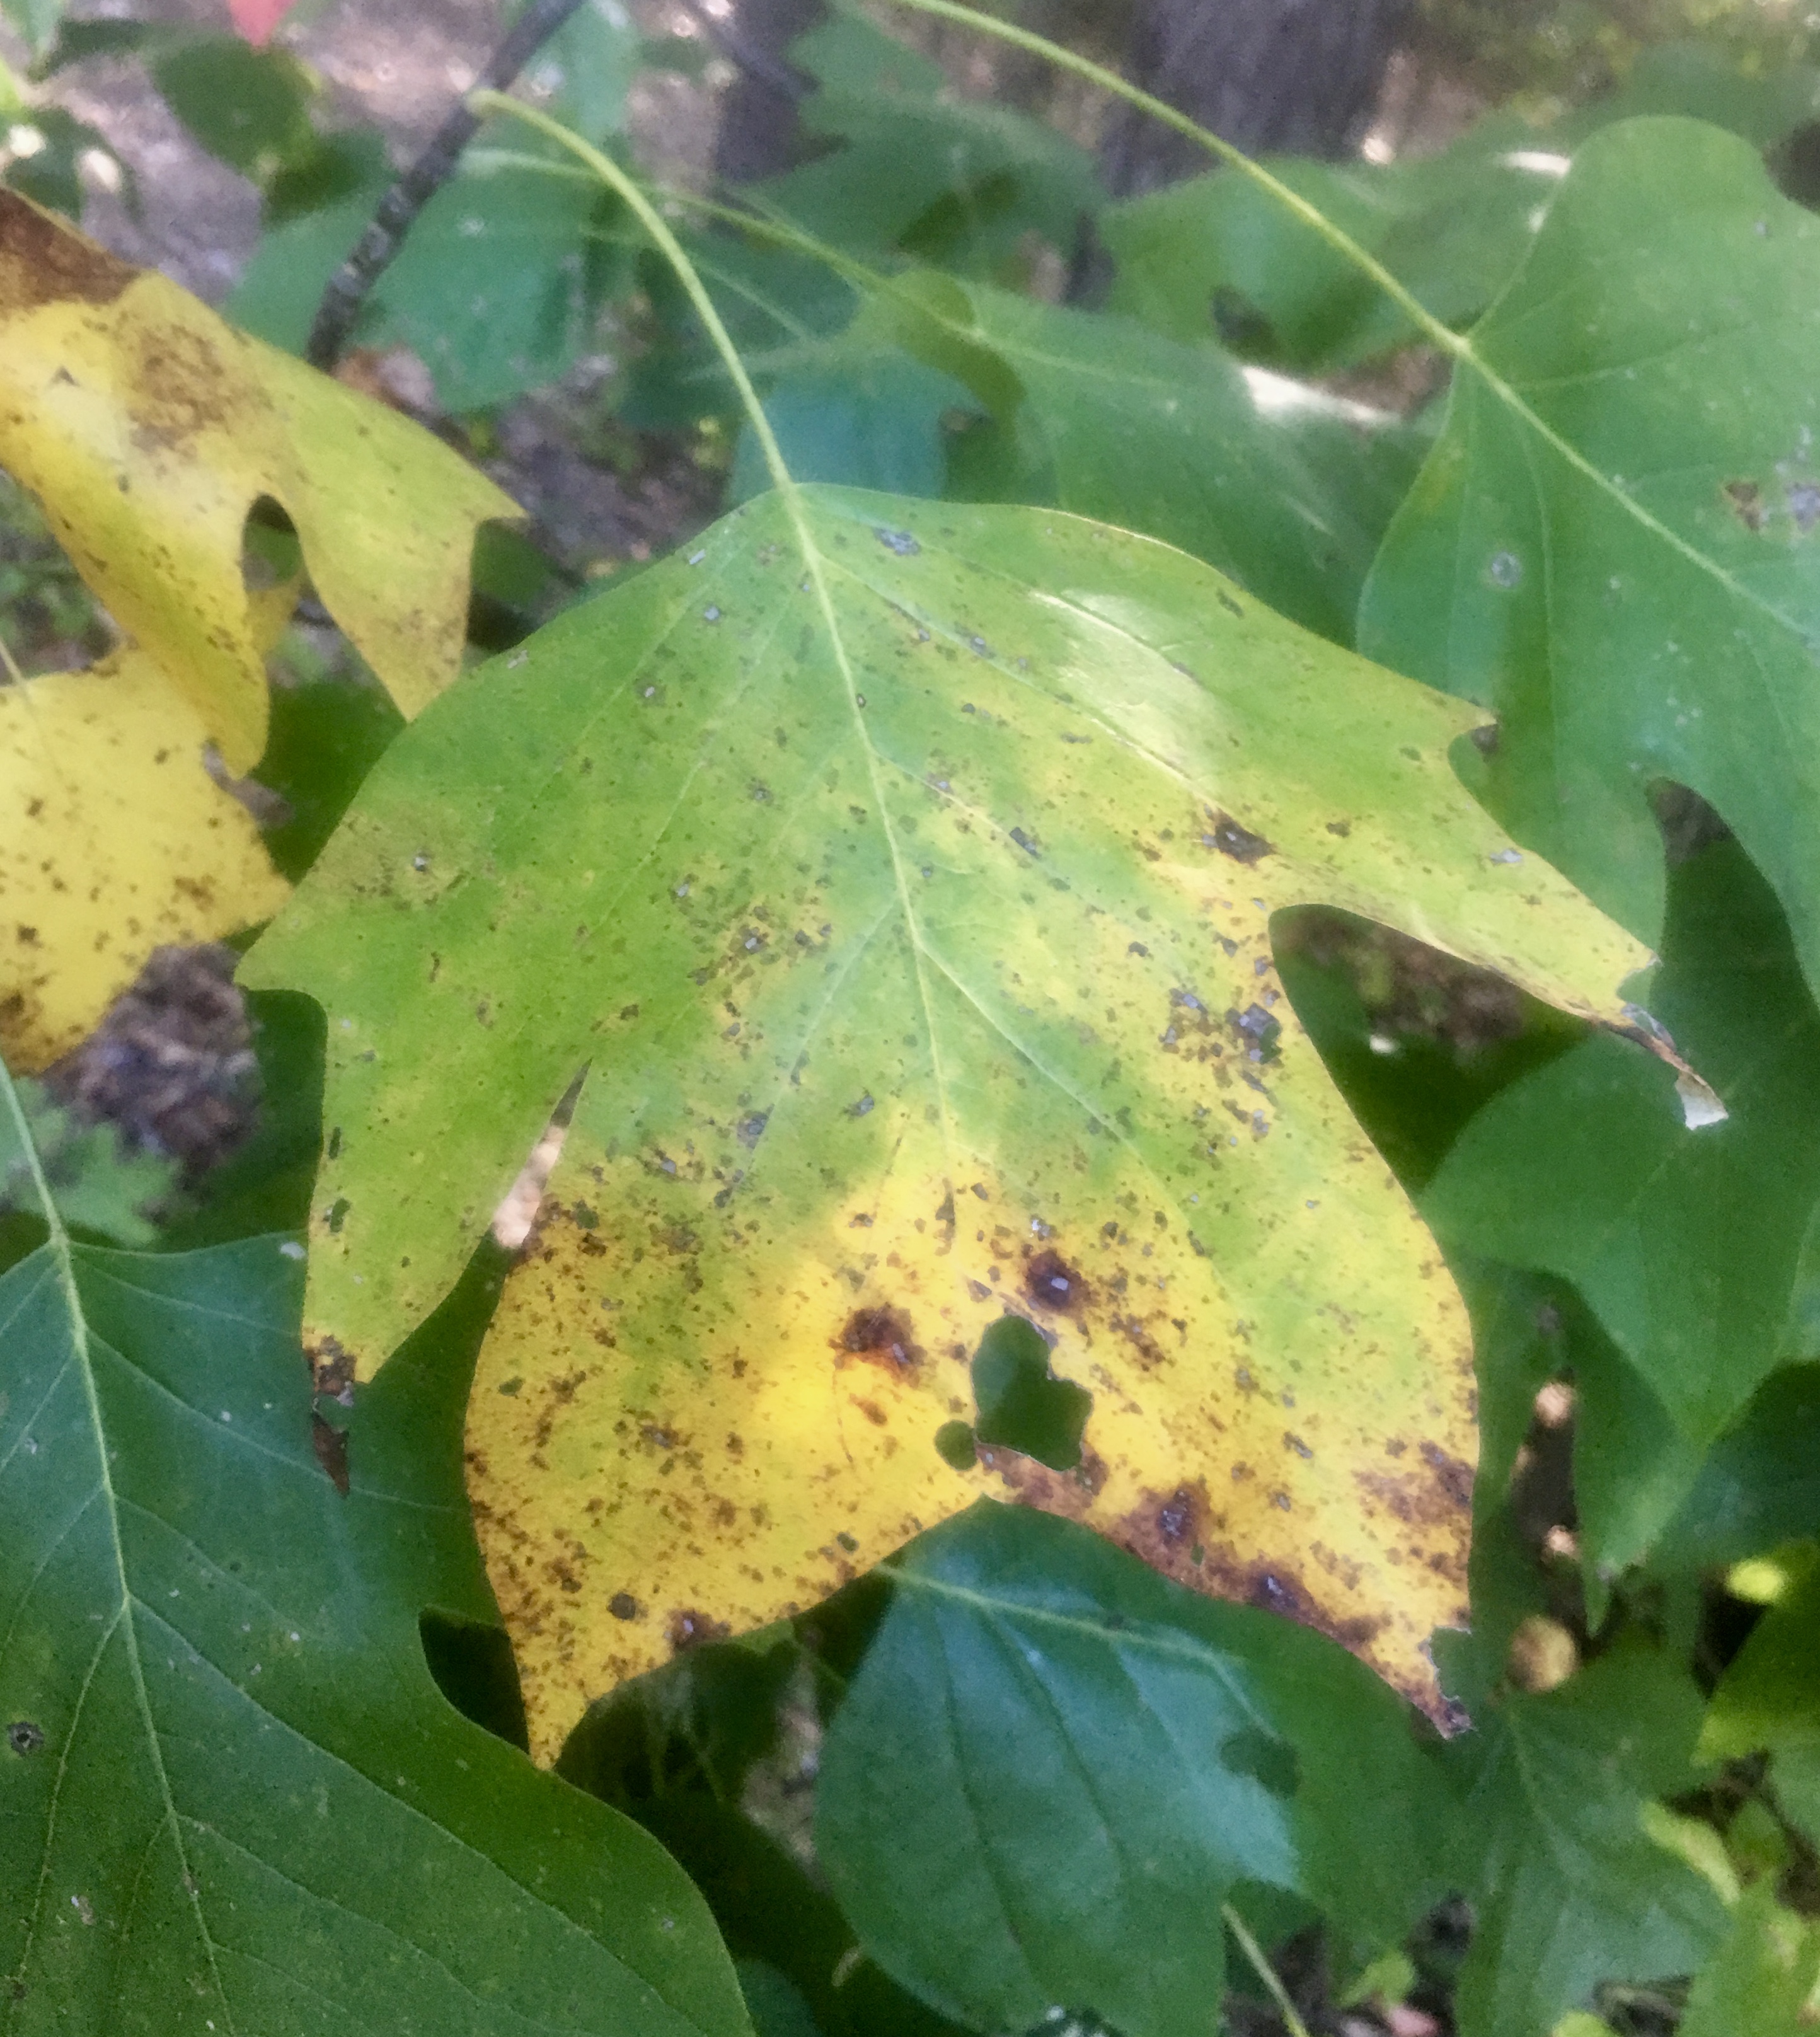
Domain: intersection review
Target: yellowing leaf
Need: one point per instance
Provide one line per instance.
(147, 429)
(904, 874)
(115, 841)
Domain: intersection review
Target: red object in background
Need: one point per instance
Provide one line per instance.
(255, 20)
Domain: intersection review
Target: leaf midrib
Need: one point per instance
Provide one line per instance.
(63, 1259)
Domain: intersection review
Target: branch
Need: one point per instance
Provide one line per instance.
(373, 253)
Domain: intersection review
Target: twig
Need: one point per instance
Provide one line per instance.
(1267, 1973)
(349, 285)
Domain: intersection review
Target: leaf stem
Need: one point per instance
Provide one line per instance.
(34, 1166)
(14, 676)
(1265, 1972)
(653, 221)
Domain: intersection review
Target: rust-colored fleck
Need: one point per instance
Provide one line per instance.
(331, 1365)
(330, 1445)
(882, 1337)
(691, 1629)
(1052, 1283)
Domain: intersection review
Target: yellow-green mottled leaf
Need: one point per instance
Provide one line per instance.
(904, 875)
(147, 429)
(113, 840)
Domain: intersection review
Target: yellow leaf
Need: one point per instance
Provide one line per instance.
(147, 429)
(116, 840)
(918, 947)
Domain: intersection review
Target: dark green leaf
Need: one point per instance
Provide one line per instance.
(1760, 1485)
(869, 423)
(1626, 571)
(231, 1798)
(1053, 1766)
(960, 182)
(1568, 1889)
(1286, 489)
(1687, 1245)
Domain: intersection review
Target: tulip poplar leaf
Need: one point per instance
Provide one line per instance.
(903, 876)
(116, 840)
(147, 429)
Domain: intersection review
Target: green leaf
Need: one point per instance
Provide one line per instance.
(248, 108)
(232, 1798)
(1054, 1765)
(98, 1183)
(496, 289)
(957, 182)
(1761, 1979)
(1217, 253)
(905, 873)
(588, 66)
(1770, 1695)
(871, 423)
(1625, 570)
(1688, 1245)
(1760, 1484)
(1567, 1889)
(1285, 488)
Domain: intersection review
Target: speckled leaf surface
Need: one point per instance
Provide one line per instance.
(1624, 563)
(115, 841)
(904, 875)
(147, 429)
(231, 1800)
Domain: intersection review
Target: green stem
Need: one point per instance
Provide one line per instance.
(1342, 243)
(1265, 1972)
(653, 221)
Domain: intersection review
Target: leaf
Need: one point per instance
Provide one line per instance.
(1770, 1695)
(1054, 1765)
(1761, 1979)
(904, 874)
(233, 1799)
(147, 429)
(1217, 253)
(1760, 1484)
(116, 842)
(1688, 1245)
(1285, 488)
(1624, 569)
(96, 1182)
(1567, 1889)
(957, 182)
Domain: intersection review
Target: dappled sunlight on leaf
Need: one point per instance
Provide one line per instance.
(920, 949)
(116, 842)
(148, 429)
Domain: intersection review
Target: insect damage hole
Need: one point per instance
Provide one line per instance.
(1022, 1404)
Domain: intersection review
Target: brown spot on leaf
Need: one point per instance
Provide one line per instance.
(881, 1336)
(330, 1445)
(1238, 842)
(691, 1629)
(331, 1365)
(1747, 501)
(1052, 1283)
(44, 262)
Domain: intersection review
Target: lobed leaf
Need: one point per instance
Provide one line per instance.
(904, 875)
(116, 842)
(1613, 545)
(1567, 1888)
(1053, 1766)
(148, 429)
(1690, 1246)
(231, 1798)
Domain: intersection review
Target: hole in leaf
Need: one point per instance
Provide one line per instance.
(472, 1664)
(1264, 1758)
(954, 1445)
(271, 553)
(1022, 1405)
